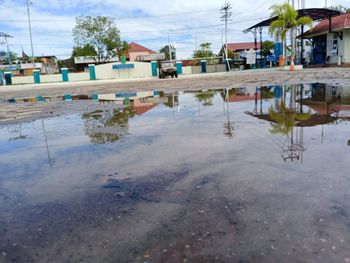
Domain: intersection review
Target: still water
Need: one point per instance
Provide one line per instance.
(241, 175)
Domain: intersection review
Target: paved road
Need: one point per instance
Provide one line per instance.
(192, 82)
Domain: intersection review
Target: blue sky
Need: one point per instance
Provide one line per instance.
(148, 22)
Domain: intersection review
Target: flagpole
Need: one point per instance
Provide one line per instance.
(30, 31)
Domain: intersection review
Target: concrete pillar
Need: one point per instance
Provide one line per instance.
(154, 65)
(179, 67)
(227, 63)
(36, 75)
(67, 97)
(64, 72)
(94, 97)
(8, 77)
(203, 66)
(40, 99)
(92, 72)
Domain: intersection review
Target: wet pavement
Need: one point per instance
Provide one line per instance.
(239, 175)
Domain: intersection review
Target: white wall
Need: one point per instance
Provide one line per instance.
(346, 46)
(187, 70)
(333, 59)
(141, 70)
(52, 78)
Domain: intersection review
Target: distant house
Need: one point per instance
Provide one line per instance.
(242, 47)
(49, 64)
(136, 51)
(330, 45)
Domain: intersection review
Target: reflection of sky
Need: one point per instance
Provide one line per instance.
(162, 139)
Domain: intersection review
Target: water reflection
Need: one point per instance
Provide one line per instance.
(295, 107)
(119, 168)
(107, 126)
(205, 97)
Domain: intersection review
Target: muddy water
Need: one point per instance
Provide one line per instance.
(248, 175)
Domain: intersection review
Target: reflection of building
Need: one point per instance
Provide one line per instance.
(328, 99)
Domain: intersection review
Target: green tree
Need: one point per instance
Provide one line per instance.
(287, 20)
(85, 51)
(266, 47)
(204, 51)
(10, 57)
(165, 50)
(230, 53)
(101, 33)
(340, 8)
(123, 49)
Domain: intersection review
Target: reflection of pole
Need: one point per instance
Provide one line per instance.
(47, 145)
(228, 127)
(256, 101)
(322, 135)
(261, 101)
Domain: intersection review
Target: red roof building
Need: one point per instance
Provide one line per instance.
(338, 23)
(238, 47)
(137, 50)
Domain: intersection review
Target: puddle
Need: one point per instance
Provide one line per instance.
(239, 175)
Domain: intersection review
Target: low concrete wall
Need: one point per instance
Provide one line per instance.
(140, 70)
(196, 70)
(23, 80)
(52, 78)
(216, 68)
(106, 71)
(82, 76)
(187, 70)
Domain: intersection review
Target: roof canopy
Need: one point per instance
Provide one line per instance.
(337, 24)
(315, 14)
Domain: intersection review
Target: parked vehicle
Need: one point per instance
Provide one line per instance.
(167, 68)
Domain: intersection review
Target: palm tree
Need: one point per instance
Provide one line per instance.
(287, 20)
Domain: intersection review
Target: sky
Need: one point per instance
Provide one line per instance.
(151, 23)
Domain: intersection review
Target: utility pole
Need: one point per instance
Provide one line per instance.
(30, 30)
(226, 14)
(169, 45)
(195, 42)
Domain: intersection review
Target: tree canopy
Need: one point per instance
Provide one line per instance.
(341, 8)
(266, 47)
(165, 50)
(204, 51)
(85, 51)
(287, 20)
(7, 57)
(102, 34)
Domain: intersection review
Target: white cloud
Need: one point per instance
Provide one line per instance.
(144, 21)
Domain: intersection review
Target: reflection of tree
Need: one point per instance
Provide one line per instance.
(107, 126)
(285, 119)
(266, 93)
(206, 98)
